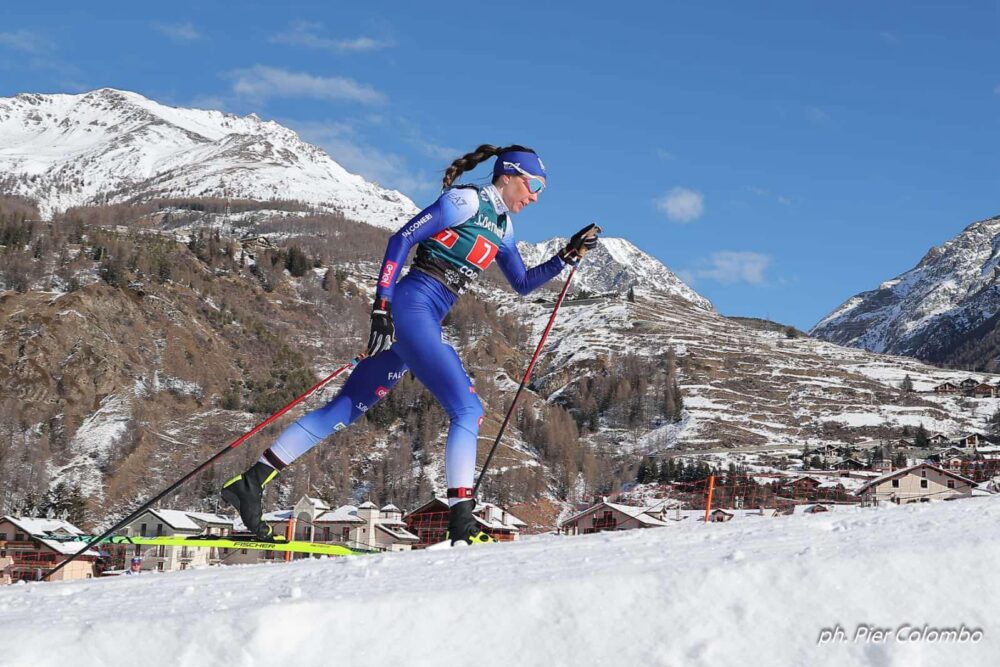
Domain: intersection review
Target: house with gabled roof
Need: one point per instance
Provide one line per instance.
(363, 527)
(35, 546)
(947, 388)
(970, 440)
(917, 483)
(610, 516)
(984, 390)
(429, 522)
(171, 523)
(850, 463)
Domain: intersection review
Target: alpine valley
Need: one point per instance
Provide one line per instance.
(171, 276)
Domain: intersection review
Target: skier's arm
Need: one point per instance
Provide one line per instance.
(524, 280)
(451, 208)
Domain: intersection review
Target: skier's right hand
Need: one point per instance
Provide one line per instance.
(383, 329)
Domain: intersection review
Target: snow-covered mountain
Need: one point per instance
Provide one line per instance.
(111, 145)
(951, 295)
(614, 266)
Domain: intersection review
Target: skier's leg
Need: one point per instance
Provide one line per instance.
(369, 382)
(438, 367)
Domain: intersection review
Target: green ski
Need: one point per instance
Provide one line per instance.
(209, 541)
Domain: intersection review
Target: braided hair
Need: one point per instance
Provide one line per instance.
(469, 161)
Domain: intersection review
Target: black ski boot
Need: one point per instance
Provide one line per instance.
(246, 492)
(462, 525)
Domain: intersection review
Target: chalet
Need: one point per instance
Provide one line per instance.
(983, 390)
(430, 522)
(798, 487)
(609, 516)
(968, 384)
(947, 388)
(918, 483)
(850, 464)
(970, 440)
(34, 546)
(938, 438)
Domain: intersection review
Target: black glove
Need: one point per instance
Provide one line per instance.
(582, 241)
(383, 329)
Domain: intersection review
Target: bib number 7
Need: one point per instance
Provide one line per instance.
(482, 253)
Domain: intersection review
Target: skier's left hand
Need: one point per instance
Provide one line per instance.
(582, 241)
(383, 329)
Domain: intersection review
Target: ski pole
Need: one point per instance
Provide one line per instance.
(527, 375)
(231, 446)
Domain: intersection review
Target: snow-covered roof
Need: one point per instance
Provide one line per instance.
(40, 527)
(343, 514)
(390, 508)
(208, 517)
(279, 515)
(368, 505)
(176, 519)
(315, 502)
(398, 532)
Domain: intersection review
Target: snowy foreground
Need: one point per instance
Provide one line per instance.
(753, 591)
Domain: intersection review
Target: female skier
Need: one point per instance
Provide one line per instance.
(457, 238)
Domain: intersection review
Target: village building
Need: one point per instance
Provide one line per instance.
(918, 483)
(429, 522)
(610, 516)
(947, 388)
(170, 523)
(850, 464)
(970, 440)
(984, 390)
(33, 547)
(365, 527)
(969, 384)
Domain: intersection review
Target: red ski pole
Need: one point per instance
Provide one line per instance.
(527, 375)
(215, 457)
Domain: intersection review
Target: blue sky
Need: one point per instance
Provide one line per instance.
(780, 156)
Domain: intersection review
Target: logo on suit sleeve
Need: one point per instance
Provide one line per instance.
(388, 271)
(381, 391)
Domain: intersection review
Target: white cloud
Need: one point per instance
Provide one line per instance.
(26, 41)
(343, 143)
(764, 192)
(889, 37)
(682, 204)
(304, 33)
(181, 32)
(816, 114)
(664, 155)
(729, 267)
(261, 82)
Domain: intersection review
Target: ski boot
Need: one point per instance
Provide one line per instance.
(246, 492)
(462, 525)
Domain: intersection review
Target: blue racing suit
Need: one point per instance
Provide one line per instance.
(478, 218)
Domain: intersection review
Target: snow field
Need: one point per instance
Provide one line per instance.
(752, 591)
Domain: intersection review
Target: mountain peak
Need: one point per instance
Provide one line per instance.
(615, 266)
(71, 150)
(950, 299)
